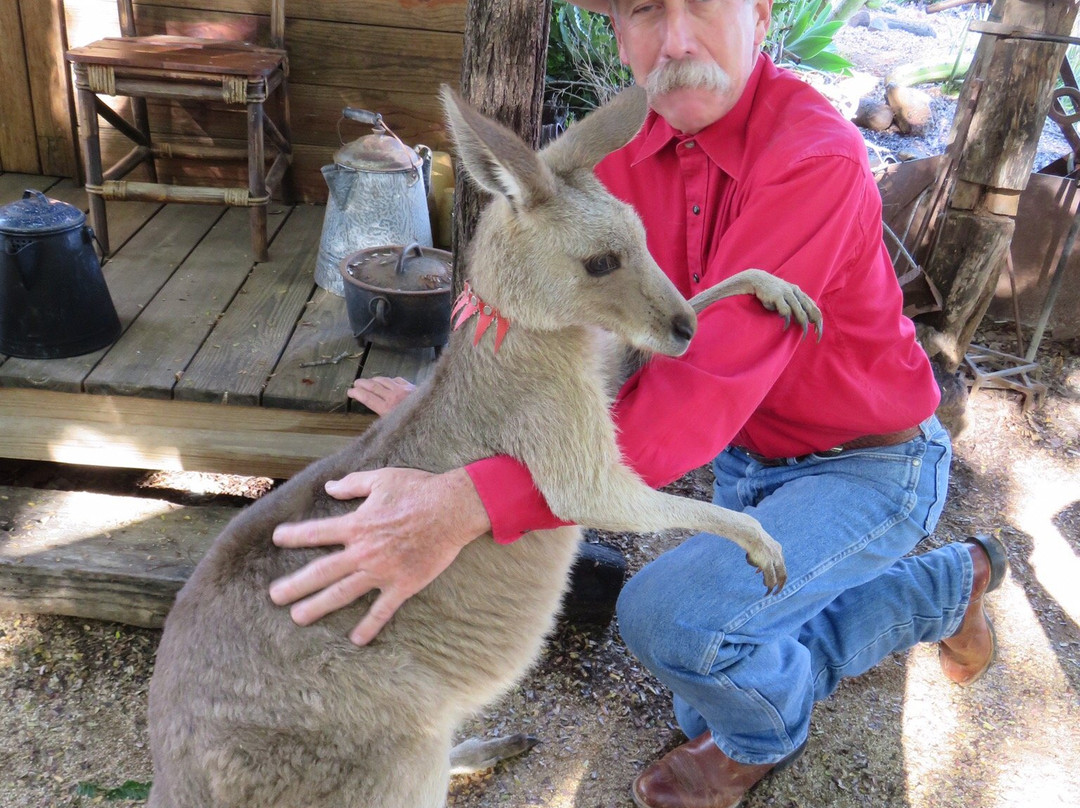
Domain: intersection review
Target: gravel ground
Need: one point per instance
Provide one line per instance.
(900, 736)
(73, 691)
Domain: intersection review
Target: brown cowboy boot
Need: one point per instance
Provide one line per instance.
(967, 654)
(698, 775)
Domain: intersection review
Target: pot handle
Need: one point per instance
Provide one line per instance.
(380, 314)
(26, 258)
(90, 237)
(415, 246)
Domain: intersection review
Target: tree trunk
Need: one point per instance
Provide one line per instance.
(995, 135)
(502, 75)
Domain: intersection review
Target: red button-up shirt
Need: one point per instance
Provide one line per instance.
(780, 183)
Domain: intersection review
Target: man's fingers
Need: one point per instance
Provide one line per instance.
(320, 573)
(331, 598)
(380, 394)
(378, 616)
(315, 532)
(352, 486)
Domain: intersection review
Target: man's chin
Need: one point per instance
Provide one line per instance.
(691, 109)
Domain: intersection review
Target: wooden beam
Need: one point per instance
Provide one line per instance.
(98, 556)
(18, 147)
(1001, 111)
(128, 432)
(512, 34)
(50, 86)
(444, 15)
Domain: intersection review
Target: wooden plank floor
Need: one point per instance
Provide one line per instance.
(223, 365)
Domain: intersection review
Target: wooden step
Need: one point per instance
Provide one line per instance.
(124, 558)
(117, 558)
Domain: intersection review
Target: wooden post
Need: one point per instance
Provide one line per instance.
(1000, 115)
(502, 75)
(45, 36)
(18, 146)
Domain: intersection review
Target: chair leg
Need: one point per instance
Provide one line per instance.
(90, 140)
(257, 180)
(142, 123)
(288, 185)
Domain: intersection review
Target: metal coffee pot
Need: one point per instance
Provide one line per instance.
(53, 298)
(377, 197)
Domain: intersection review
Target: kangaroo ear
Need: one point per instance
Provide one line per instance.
(599, 133)
(496, 158)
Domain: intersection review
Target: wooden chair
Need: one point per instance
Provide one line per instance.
(210, 71)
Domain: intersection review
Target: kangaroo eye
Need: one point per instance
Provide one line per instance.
(599, 265)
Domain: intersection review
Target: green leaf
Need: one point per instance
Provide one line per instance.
(130, 790)
(829, 62)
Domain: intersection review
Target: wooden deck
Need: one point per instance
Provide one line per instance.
(223, 365)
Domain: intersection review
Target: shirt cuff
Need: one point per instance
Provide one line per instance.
(514, 504)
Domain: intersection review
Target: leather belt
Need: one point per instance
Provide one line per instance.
(864, 442)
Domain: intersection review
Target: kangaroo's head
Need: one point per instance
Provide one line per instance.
(554, 249)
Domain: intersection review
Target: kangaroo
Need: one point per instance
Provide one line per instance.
(248, 710)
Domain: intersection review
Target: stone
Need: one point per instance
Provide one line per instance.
(910, 107)
(873, 114)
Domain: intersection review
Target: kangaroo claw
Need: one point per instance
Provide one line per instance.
(768, 559)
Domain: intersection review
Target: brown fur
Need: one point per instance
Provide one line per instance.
(247, 710)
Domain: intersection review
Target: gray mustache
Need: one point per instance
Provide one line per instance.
(687, 74)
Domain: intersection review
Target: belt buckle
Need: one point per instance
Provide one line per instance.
(831, 452)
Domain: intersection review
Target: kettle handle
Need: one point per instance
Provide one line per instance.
(414, 247)
(26, 258)
(379, 306)
(373, 119)
(362, 116)
(29, 192)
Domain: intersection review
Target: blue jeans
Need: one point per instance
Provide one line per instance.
(748, 667)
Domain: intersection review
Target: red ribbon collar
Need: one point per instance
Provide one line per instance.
(468, 304)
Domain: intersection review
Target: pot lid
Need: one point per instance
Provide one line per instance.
(377, 153)
(399, 269)
(380, 151)
(36, 215)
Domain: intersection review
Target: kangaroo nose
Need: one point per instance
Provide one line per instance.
(683, 327)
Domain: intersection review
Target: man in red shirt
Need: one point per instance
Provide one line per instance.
(831, 445)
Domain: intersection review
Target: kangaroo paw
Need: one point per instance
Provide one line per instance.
(766, 555)
(476, 755)
(788, 300)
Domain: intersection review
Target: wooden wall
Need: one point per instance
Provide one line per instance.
(36, 110)
(386, 55)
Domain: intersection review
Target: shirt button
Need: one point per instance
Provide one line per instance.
(696, 210)
(697, 278)
(689, 144)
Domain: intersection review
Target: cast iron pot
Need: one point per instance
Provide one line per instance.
(399, 297)
(53, 298)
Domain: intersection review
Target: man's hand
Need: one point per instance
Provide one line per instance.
(380, 394)
(409, 529)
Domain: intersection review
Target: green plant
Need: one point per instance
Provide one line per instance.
(801, 35)
(130, 790)
(583, 68)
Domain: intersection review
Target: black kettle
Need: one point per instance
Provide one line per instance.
(53, 298)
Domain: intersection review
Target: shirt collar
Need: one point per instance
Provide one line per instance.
(723, 141)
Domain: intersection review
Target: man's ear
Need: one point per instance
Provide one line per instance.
(616, 26)
(763, 14)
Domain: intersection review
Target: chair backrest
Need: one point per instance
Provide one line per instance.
(277, 22)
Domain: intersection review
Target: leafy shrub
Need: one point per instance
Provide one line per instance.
(583, 68)
(801, 35)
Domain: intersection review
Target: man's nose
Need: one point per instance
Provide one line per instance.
(679, 40)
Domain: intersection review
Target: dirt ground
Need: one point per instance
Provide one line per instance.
(901, 736)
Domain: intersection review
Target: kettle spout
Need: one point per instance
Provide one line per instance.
(339, 180)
